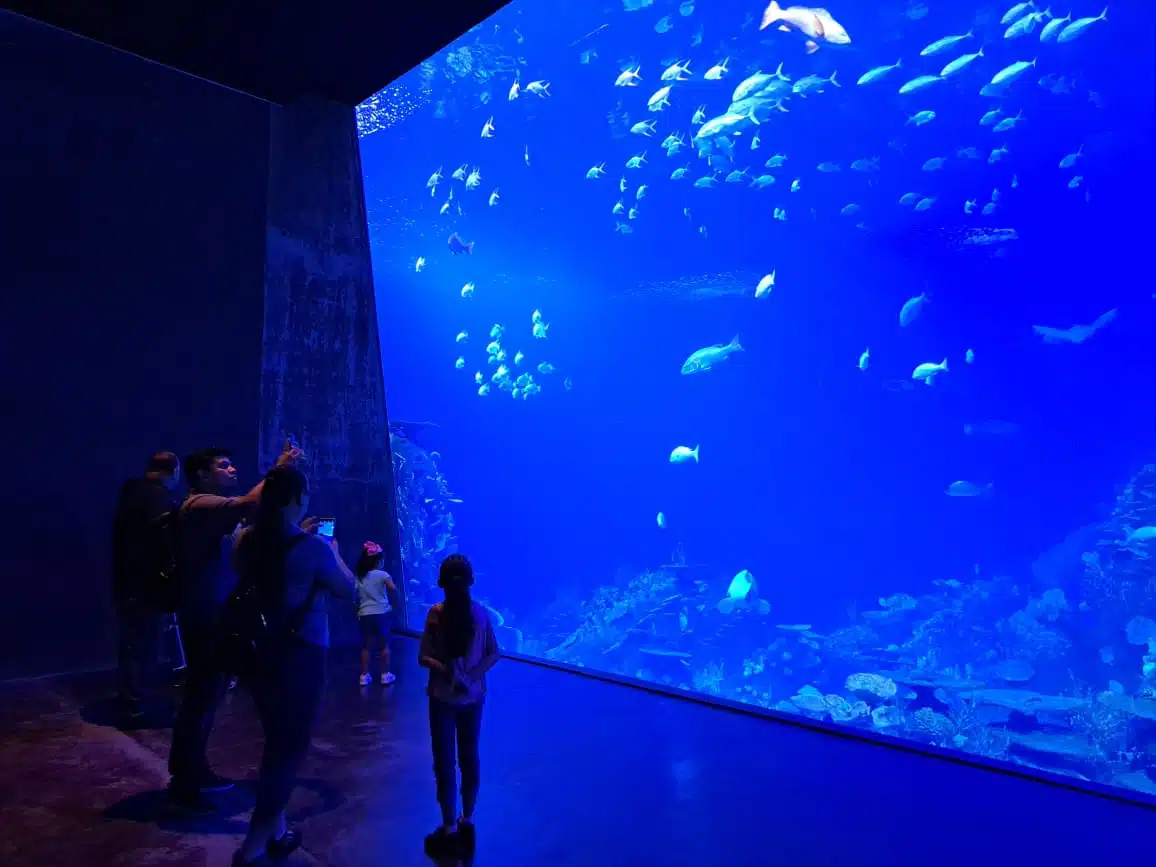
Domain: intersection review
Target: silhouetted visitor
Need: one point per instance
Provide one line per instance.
(374, 610)
(208, 520)
(293, 572)
(141, 558)
(458, 647)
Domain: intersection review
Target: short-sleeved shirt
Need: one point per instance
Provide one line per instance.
(373, 593)
(208, 524)
(433, 645)
(307, 565)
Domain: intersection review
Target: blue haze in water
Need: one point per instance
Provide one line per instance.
(1014, 625)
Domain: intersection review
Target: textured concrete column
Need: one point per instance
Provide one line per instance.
(321, 378)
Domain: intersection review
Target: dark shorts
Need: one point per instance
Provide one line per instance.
(374, 627)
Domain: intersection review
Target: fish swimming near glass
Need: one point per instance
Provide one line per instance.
(458, 246)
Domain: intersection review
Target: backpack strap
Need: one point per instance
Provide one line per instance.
(297, 619)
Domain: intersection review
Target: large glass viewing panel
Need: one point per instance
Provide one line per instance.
(798, 357)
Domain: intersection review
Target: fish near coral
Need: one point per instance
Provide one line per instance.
(816, 24)
(458, 246)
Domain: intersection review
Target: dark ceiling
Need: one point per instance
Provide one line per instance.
(279, 50)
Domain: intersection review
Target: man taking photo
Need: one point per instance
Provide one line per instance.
(209, 518)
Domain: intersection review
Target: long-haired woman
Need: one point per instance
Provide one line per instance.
(293, 572)
(458, 647)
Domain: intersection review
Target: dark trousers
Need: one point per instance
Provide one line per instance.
(287, 686)
(455, 729)
(140, 630)
(204, 685)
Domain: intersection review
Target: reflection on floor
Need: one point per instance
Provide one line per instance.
(576, 773)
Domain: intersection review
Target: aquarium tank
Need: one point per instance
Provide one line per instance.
(796, 357)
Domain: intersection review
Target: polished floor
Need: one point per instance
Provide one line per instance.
(576, 773)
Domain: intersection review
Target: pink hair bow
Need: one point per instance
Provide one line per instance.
(372, 548)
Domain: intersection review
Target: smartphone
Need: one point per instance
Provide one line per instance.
(326, 527)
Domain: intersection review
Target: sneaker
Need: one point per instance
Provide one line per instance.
(466, 835)
(211, 782)
(442, 842)
(387, 678)
(280, 848)
(364, 680)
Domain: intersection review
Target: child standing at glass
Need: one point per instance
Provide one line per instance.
(374, 585)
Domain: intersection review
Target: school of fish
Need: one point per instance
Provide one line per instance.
(727, 144)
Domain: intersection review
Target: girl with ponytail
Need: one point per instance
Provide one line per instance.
(458, 647)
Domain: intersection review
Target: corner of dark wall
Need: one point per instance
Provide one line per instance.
(133, 253)
(322, 377)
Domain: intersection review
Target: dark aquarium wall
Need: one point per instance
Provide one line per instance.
(795, 357)
(134, 228)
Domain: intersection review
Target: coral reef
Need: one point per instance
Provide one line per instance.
(997, 667)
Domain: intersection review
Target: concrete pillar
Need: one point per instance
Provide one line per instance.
(321, 378)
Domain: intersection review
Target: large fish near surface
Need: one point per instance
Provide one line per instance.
(817, 25)
(708, 357)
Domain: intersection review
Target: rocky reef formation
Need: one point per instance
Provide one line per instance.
(426, 527)
(1061, 679)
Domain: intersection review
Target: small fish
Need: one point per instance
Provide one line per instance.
(661, 520)
(1012, 72)
(909, 198)
(1017, 11)
(683, 454)
(468, 290)
(1053, 27)
(462, 337)
(911, 309)
(990, 118)
(765, 286)
(458, 246)
(967, 489)
(959, 64)
(676, 71)
(928, 371)
(706, 358)
(1077, 28)
(1071, 159)
(865, 359)
(969, 356)
(460, 363)
(664, 25)
(920, 118)
(878, 73)
(488, 128)
(1008, 123)
(494, 198)
(629, 77)
(934, 164)
(926, 203)
(717, 72)
(919, 83)
(419, 264)
(946, 43)
(595, 172)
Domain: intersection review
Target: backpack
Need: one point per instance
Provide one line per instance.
(251, 621)
(163, 545)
